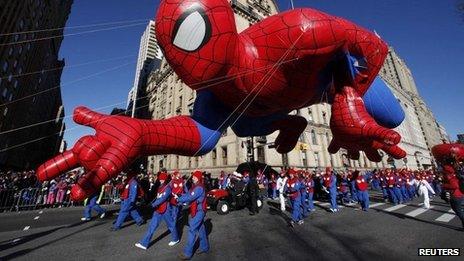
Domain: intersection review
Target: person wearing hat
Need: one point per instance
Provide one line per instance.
(196, 197)
(93, 204)
(128, 205)
(177, 188)
(294, 194)
(329, 181)
(304, 195)
(163, 210)
(457, 195)
(361, 188)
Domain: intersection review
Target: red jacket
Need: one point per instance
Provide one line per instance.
(163, 206)
(361, 183)
(177, 186)
(452, 184)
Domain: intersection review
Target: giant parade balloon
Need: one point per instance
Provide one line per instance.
(248, 81)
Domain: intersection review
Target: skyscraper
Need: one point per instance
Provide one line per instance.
(31, 108)
(149, 58)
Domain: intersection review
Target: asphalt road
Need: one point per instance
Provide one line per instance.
(383, 233)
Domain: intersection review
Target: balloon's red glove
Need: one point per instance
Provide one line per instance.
(118, 141)
(355, 130)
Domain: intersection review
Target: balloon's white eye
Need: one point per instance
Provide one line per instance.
(191, 31)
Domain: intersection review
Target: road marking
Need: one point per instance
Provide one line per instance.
(324, 204)
(390, 209)
(446, 217)
(376, 205)
(36, 217)
(26, 228)
(40, 212)
(16, 240)
(417, 212)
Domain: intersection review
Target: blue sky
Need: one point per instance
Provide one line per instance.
(427, 34)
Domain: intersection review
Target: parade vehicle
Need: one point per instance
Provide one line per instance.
(231, 198)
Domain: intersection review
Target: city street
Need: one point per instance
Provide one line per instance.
(386, 232)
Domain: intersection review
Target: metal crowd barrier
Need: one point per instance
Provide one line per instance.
(35, 198)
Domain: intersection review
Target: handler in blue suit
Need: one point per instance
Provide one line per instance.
(163, 210)
(92, 204)
(196, 197)
(329, 181)
(294, 194)
(129, 198)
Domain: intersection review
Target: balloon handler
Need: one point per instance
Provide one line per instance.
(249, 81)
(163, 210)
(128, 205)
(93, 203)
(196, 197)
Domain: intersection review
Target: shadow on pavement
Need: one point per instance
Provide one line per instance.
(41, 234)
(274, 209)
(402, 216)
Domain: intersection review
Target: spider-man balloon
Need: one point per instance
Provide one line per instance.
(249, 81)
(448, 152)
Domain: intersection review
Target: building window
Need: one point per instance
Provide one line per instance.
(5, 66)
(4, 93)
(224, 156)
(313, 137)
(10, 77)
(327, 138)
(5, 111)
(316, 158)
(324, 117)
(304, 159)
(310, 115)
(214, 156)
(301, 138)
(261, 155)
(10, 52)
(10, 98)
(15, 84)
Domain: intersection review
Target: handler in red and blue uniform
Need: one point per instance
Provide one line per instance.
(196, 197)
(361, 188)
(309, 186)
(129, 198)
(162, 211)
(397, 188)
(329, 181)
(304, 195)
(92, 204)
(293, 192)
(177, 188)
(352, 184)
(390, 178)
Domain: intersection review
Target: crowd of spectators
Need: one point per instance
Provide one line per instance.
(23, 188)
